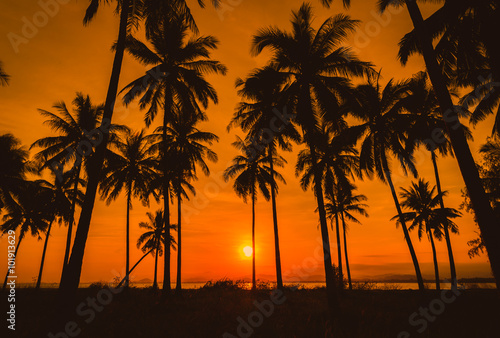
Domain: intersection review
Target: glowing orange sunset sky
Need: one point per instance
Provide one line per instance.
(64, 57)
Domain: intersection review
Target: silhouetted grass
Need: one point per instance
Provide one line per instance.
(213, 310)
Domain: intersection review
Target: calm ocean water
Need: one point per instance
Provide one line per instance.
(305, 285)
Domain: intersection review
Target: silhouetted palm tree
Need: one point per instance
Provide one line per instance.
(153, 239)
(486, 219)
(343, 203)
(132, 169)
(427, 215)
(59, 195)
(4, 77)
(382, 135)
(251, 172)
(30, 213)
(176, 80)
(316, 67)
(14, 164)
(258, 118)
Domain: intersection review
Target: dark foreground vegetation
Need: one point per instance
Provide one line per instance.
(214, 311)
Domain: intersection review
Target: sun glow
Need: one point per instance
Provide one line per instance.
(247, 251)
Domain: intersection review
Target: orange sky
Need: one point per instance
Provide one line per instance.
(64, 57)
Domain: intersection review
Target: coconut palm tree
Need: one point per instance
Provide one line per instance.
(176, 81)
(486, 219)
(382, 134)
(131, 169)
(4, 77)
(14, 165)
(251, 172)
(59, 195)
(153, 239)
(316, 68)
(72, 147)
(258, 119)
(427, 215)
(30, 213)
(342, 203)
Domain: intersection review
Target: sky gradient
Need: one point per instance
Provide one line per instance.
(63, 57)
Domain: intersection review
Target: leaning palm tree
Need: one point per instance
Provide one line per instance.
(486, 219)
(382, 134)
(132, 169)
(30, 213)
(342, 203)
(72, 147)
(153, 240)
(258, 118)
(251, 172)
(175, 82)
(316, 68)
(427, 215)
(4, 77)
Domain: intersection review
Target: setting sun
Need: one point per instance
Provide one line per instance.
(248, 251)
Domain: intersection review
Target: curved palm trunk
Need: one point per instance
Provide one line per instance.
(178, 286)
(407, 235)
(71, 273)
(434, 256)
(127, 276)
(279, 278)
(155, 281)
(254, 284)
(40, 272)
(446, 230)
(72, 217)
(167, 288)
(339, 252)
(486, 219)
(331, 287)
(127, 259)
(345, 253)
(15, 257)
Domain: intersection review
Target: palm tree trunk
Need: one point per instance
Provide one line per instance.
(345, 253)
(339, 252)
(331, 287)
(486, 219)
(178, 285)
(279, 278)
(39, 279)
(127, 259)
(72, 217)
(254, 284)
(71, 273)
(167, 288)
(407, 235)
(135, 265)
(155, 281)
(15, 257)
(434, 256)
(446, 230)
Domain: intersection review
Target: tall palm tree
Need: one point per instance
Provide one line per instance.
(316, 68)
(486, 219)
(29, 213)
(153, 240)
(251, 172)
(4, 77)
(343, 203)
(427, 215)
(60, 195)
(132, 169)
(14, 164)
(176, 81)
(258, 119)
(382, 134)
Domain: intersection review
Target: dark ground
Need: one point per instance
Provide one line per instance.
(211, 312)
